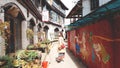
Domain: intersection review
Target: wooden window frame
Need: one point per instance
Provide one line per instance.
(94, 4)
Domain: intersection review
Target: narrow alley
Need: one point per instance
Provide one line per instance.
(31, 30)
(69, 62)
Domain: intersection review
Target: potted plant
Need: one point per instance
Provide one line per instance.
(30, 47)
(27, 55)
(44, 45)
(46, 41)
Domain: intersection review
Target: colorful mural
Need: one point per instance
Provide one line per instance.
(101, 52)
(97, 48)
(84, 50)
(98, 45)
(72, 41)
(77, 45)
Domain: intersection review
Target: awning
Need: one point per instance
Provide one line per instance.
(109, 8)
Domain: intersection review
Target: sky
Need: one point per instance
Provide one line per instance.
(69, 4)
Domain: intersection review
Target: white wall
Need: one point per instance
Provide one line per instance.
(25, 41)
(51, 35)
(102, 2)
(86, 7)
(50, 31)
(35, 34)
(2, 16)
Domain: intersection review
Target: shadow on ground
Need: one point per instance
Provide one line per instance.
(77, 61)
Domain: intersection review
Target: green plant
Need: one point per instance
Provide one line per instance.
(30, 46)
(32, 55)
(27, 55)
(45, 41)
(7, 62)
(29, 33)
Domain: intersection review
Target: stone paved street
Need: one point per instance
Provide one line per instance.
(69, 62)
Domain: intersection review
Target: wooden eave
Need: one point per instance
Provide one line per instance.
(31, 7)
(77, 10)
(49, 22)
(55, 9)
(62, 5)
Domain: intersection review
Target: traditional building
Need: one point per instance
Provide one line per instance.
(96, 33)
(55, 18)
(20, 15)
(28, 22)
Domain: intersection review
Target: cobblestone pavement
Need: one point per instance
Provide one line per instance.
(69, 61)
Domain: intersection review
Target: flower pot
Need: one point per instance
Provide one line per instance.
(45, 64)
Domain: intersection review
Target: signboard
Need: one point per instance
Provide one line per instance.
(45, 16)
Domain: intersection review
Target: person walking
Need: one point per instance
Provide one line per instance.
(61, 48)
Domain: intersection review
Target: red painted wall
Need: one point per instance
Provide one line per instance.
(116, 26)
(71, 39)
(101, 34)
(98, 47)
(68, 37)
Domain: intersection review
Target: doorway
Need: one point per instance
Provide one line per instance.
(14, 37)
